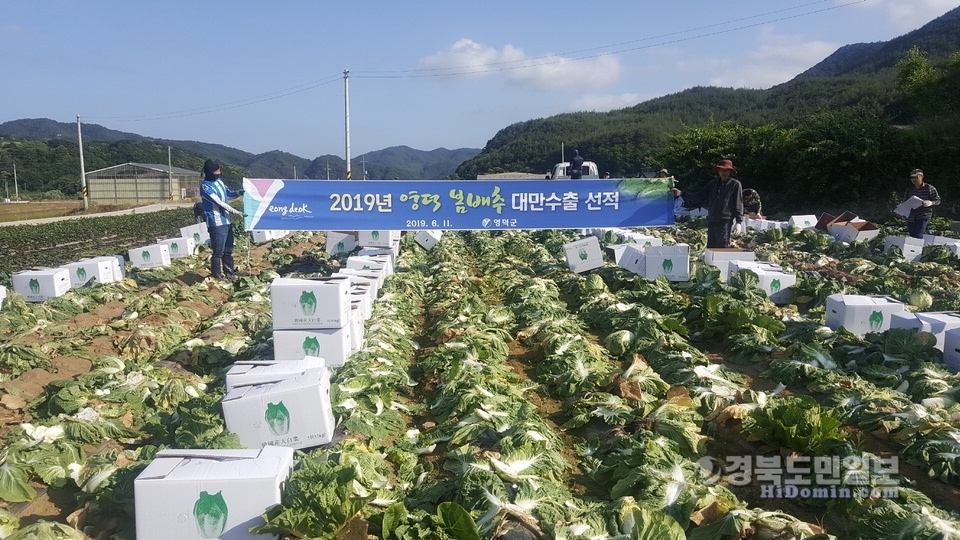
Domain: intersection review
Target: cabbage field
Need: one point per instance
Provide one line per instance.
(500, 395)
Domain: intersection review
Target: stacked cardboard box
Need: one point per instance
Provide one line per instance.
(3, 295)
(311, 317)
(267, 235)
(290, 410)
(197, 494)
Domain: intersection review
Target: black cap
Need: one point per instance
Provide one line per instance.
(915, 172)
(209, 168)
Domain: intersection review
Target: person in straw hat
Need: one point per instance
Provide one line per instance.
(723, 198)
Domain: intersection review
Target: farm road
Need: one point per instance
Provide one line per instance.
(139, 210)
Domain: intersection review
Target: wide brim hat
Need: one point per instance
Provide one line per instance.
(724, 164)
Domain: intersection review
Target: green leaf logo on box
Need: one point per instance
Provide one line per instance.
(145, 255)
(210, 513)
(647, 244)
(174, 248)
(81, 273)
(876, 321)
(375, 235)
(196, 237)
(34, 286)
(340, 246)
(311, 346)
(668, 265)
(278, 418)
(583, 254)
(774, 286)
(308, 303)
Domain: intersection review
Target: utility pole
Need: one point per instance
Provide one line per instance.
(170, 172)
(83, 171)
(363, 164)
(346, 117)
(294, 172)
(328, 169)
(16, 190)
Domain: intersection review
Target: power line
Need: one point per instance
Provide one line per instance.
(507, 65)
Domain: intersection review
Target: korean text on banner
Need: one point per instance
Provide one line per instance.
(323, 205)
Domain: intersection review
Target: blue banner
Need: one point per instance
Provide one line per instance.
(324, 205)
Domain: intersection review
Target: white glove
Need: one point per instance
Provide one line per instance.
(928, 203)
(736, 229)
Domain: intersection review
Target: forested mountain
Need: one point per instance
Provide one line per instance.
(843, 132)
(46, 154)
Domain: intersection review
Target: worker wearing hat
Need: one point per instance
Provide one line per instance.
(723, 199)
(214, 195)
(921, 215)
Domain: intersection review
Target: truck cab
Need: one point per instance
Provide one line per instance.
(561, 172)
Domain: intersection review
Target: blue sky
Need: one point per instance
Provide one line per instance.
(263, 76)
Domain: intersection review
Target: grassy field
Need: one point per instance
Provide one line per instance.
(19, 211)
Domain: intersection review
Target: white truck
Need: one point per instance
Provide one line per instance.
(561, 172)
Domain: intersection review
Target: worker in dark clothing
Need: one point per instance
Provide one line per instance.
(751, 204)
(921, 215)
(723, 198)
(576, 166)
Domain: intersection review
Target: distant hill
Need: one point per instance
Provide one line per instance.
(395, 162)
(938, 38)
(624, 142)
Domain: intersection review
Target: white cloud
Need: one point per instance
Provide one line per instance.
(606, 102)
(776, 59)
(467, 58)
(907, 15)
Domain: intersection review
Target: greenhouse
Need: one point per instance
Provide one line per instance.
(132, 183)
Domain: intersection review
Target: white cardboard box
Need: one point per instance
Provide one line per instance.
(173, 494)
(117, 263)
(332, 344)
(428, 239)
(370, 251)
(907, 206)
(855, 231)
(773, 280)
(310, 303)
(198, 232)
(376, 277)
(721, 257)
(183, 246)
(912, 248)
(250, 372)
(632, 259)
(293, 412)
(935, 322)
(644, 240)
(3, 295)
(40, 284)
(152, 256)
(357, 330)
(338, 242)
(861, 314)
(368, 262)
(377, 238)
(951, 349)
(806, 221)
(95, 270)
(673, 262)
(584, 255)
